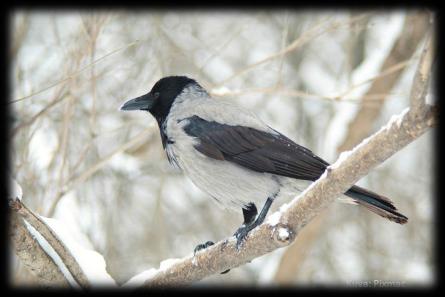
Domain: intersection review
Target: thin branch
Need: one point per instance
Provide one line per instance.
(422, 77)
(311, 34)
(74, 74)
(366, 99)
(391, 70)
(74, 181)
(59, 97)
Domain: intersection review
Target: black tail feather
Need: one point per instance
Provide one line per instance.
(376, 203)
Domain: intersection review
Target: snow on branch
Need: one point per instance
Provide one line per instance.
(33, 256)
(48, 250)
(58, 250)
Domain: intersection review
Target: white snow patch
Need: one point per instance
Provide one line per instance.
(16, 190)
(194, 261)
(139, 279)
(283, 234)
(53, 254)
(430, 99)
(397, 118)
(166, 264)
(91, 262)
(343, 156)
(274, 218)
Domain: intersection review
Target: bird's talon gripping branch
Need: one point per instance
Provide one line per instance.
(202, 246)
(241, 234)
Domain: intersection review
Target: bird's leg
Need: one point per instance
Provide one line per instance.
(249, 223)
(249, 213)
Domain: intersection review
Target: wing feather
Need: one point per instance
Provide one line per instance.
(254, 149)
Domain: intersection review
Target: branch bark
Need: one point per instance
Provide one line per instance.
(282, 227)
(32, 254)
(295, 255)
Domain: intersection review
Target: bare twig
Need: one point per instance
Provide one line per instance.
(314, 32)
(76, 73)
(366, 99)
(422, 77)
(59, 97)
(74, 181)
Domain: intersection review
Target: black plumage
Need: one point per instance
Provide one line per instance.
(257, 150)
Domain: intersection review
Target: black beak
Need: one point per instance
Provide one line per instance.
(144, 102)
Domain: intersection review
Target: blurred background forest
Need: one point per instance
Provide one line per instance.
(327, 79)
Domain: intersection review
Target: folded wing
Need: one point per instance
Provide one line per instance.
(256, 150)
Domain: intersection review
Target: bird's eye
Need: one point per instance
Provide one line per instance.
(156, 95)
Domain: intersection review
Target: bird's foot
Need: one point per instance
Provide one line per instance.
(242, 233)
(203, 246)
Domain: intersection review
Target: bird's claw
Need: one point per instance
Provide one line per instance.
(241, 235)
(204, 246)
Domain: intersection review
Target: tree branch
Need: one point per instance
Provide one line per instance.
(32, 254)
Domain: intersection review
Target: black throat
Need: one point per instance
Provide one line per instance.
(169, 88)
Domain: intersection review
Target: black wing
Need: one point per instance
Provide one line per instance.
(254, 149)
